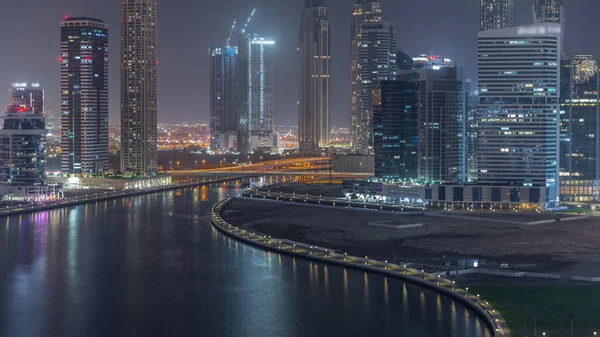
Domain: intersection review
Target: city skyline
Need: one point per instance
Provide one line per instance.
(176, 81)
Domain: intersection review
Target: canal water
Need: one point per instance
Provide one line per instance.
(153, 266)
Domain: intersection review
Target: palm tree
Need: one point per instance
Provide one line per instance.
(571, 317)
(535, 318)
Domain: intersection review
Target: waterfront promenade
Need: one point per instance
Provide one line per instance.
(449, 288)
(105, 195)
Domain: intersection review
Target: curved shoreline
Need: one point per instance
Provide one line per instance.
(76, 201)
(492, 317)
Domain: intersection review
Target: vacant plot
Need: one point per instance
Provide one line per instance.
(550, 247)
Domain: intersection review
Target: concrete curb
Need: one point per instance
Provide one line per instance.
(492, 317)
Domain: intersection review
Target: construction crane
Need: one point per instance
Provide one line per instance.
(248, 21)
(230, 33)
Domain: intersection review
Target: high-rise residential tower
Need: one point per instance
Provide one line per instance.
(224, 118)
(364, 11)
(518, 143)
(139, 105)
(548, 11)
(580, 129)
(497, 14)
(84, 96)
(255, 93)
(377, 63)
(27, 95)
(314, 105)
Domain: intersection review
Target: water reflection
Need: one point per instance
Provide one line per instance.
(153, 266)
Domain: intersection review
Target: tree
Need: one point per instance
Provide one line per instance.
(571, 317)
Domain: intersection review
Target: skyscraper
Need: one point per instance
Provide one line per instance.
(364, 11)
(580, 129)
(519, 128)
(497, 14)
(377, 63)
(224, 118)
(139, 105)
(255, 87)
(396, 128)
(314, 106)
(548, 11)
(84, 96)
(27, 95)
(23, 156)
(442, 112)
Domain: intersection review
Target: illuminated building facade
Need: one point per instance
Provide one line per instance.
(434, 62)
(255, 87)
(442, 112)
(23, 156)
(28, 95)
(139, 105)
(580, 129)
(497, 14)
(396, 129)
(84, 96)
(518, 113)
(364, 11)
(548, 11)
(314, 104)
(224, 118)
(377, 63)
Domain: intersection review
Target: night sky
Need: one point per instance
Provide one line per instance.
(30, 40)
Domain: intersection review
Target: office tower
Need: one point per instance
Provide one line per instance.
(256, 93)
(442, 111)
(139, 105)
(580, 129)
(224, 118)
(23, 156)
(377, 63)
(471, 132)
(314, 105)
(548, 11)
(396, 129)
(497, 14)
(27, 95)
(519, 130)
(364, 11)
(84, 96)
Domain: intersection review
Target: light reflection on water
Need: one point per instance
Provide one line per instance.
(154, 266)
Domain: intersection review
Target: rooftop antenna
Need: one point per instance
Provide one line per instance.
(230, 33)
(248, 21)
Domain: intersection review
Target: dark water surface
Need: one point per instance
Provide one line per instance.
(154, 266)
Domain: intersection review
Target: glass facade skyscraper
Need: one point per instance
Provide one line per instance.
(84, 96)
(580, 129)
(377, 63)
(224, 118)
(518, 114)
(28, 95)
(497, 14)
(396, 129)
(442, 127)
(364, 11)
(139, 101)
(314, 104)
(23, 151)
(548, 11)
